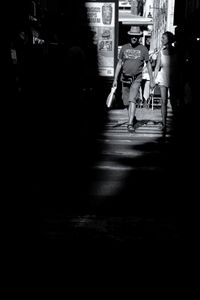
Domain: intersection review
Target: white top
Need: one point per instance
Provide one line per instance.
(167, 74)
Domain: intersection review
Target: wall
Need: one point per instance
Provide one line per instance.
(160, 21)
(170, 16)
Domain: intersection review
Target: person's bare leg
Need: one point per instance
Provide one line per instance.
(164, 99)
(131, 112)
(134, 89)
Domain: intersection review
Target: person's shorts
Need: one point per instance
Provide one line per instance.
(130, 92)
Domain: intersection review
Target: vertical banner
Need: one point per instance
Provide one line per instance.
(102, 21)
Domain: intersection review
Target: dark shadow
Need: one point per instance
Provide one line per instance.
(57, 99)
(160, 188)
(55, 117)
(71, 112)
(139, 123)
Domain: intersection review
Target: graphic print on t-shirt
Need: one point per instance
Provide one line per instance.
(132, 54)
(133, 59)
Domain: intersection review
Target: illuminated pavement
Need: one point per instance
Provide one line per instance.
(133, 187)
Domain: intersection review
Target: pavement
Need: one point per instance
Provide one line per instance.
(135, 188)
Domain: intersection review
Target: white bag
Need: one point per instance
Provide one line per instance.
(111, 97)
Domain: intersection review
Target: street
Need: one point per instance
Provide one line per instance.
(132, 188)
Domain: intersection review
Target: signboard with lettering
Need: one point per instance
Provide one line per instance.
(102, 21)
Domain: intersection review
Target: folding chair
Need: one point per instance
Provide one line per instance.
(154, 98)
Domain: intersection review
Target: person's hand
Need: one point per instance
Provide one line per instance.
(115, 83)
(152, 86)
(152, 83)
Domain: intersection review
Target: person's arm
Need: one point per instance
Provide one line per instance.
(149, 68)
(158, 65)
(117, 71)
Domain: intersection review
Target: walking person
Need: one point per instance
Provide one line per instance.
(166, 75)
(132, 57)
(145, 88)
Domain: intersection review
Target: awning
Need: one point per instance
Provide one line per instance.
(127, 18)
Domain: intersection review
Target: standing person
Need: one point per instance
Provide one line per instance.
(145, 89)
(166, 75)
(132, 57)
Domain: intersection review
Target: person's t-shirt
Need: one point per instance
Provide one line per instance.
(133, 58)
